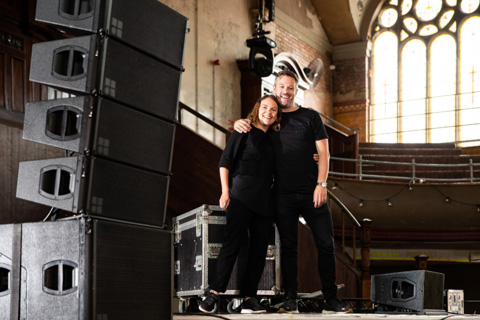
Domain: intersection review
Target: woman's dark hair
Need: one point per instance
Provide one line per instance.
(253, 115)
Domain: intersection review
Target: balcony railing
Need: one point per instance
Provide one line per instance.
(470, 169)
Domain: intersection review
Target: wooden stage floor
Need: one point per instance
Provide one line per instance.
(311, 316)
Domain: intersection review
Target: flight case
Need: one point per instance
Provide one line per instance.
(198, 237)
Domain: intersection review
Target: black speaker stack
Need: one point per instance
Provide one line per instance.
(111, 258)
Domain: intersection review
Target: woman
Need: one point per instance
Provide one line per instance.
(246, 174)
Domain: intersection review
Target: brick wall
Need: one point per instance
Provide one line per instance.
(286, 42)
(350, 94)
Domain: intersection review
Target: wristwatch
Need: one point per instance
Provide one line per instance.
(322, 184)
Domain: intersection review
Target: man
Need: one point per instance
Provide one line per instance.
(300, 189)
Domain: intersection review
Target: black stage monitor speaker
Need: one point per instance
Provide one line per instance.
(417, 290)
(103, 128)
(145, 24)
(83, 269)
(96, 187)
(99, 65)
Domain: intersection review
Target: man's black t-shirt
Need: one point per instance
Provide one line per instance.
(294, 146)
(249, 158)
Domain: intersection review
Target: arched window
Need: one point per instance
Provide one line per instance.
(425, 84)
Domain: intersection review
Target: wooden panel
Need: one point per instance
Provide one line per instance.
(15, 149)
(251, 88)
(3, 94)
(12, 70)
(18, 84)
(195, 180)
(308, 278)
(342, 146)
(12, 8)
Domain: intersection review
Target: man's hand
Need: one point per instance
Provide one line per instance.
(242, 125)
(319, 196)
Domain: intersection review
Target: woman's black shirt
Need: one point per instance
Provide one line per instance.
(249, 158)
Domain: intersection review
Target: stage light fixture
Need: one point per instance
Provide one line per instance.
(261, 55)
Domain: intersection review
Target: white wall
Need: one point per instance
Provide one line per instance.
(218, 30)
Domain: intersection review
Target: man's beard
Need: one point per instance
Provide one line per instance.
(283, 106)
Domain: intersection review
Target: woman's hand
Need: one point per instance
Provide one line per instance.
(224, 201)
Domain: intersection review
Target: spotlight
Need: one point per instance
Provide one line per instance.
(389, 203)
(478, 207)
(261, 55)
(335, 186)
(447, 199)
(361, 203)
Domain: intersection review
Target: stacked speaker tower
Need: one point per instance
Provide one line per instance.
(111, 259)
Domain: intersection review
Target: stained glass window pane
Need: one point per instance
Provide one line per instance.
(384, 91)
(415, 136)
(470, 78)
(443, 60)
(388, 17)
(438, 135)
(406, 6)
(411, 24)
(453, 28)
(413, 92)
(468, 6)
(445, 19)
(428, 30)
(427, 10)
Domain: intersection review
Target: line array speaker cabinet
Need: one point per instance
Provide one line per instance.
(95, 186)
(129, 21)
(418, 290)
(103, 128)
(102, 65)
(125, 68)
(85, 269)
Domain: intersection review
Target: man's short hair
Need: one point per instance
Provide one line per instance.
(287, 73)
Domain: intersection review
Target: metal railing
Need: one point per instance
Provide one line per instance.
(197, 114)
(346, 213)
(413, 169)
(335, 122)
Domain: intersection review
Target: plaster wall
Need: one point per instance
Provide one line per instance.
(218, 30)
